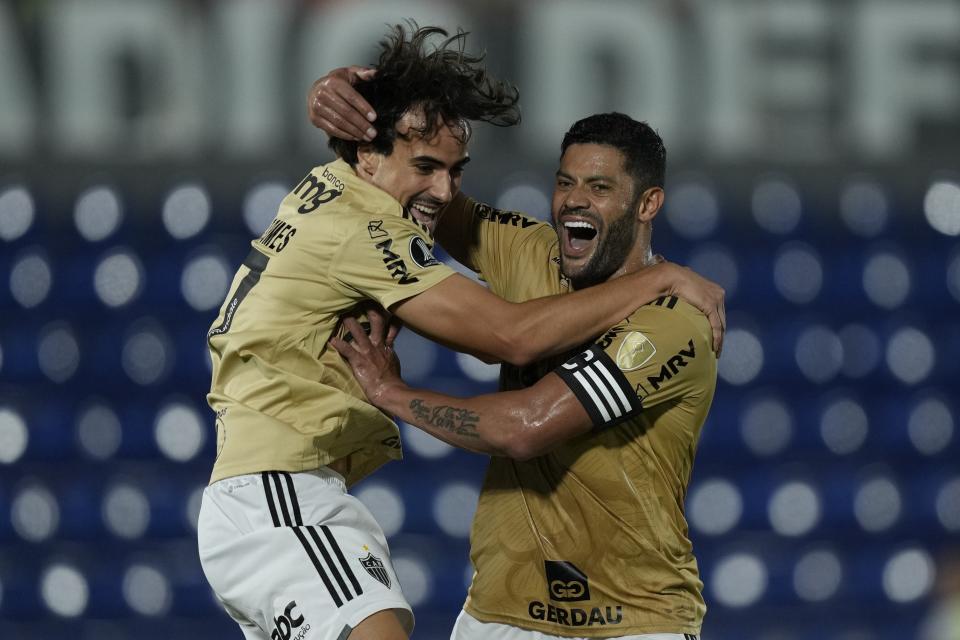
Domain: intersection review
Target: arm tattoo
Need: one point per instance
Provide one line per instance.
(462, 422)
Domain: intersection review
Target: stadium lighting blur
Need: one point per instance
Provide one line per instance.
(864, 208)
(98, 431)
(941, 206)
(186, 211)
(385, 504)
(877, 504)
(739, 580)
(414, 576)
(146, 590)
(13, 436)
(742, 357)
(717, 263)
(766, 426)
(819, 354)
(58, 352)
(692, 209)
(794, 509)
(417, 354)
(948, 505)
(147, 353)
(776, 206)
(798, 273)
(192, 510)
(844, 426)
(953, 276)
(204, 281)
(30, 279)
(125, 511)
(817, 576)
(64, 590)
(35, 513)
(910, 355)
(715, 506)
(477, 369)
(118, 278)
(424, 444)
(453, 508)
(861, 350)
(16, 212)
(179, 432)
(886, 280)
(261, 204)
(908, 575)
(525, 198)
(930, 426)
(98, 213)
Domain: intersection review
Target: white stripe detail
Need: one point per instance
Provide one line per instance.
(596, 400)
(616, 387)
(606, 392)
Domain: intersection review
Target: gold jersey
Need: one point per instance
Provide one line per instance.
(591, 539)
(284, 400)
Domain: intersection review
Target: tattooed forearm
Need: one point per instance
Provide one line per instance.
(462, 422)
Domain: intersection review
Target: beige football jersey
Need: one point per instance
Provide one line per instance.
(590, 539)
(283, 399)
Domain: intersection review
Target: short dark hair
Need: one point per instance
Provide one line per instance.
(645, 157)
(448, 84)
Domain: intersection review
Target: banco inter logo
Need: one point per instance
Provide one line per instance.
(288, 622)
(565, 582)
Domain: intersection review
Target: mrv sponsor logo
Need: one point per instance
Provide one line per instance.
(394, 263)
(290, 622)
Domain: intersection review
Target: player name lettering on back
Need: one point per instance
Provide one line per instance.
(277, 235)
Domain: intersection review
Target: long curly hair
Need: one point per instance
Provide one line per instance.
(449, 85)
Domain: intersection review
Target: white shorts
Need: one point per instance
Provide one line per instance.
(469, 628)
(293, 556)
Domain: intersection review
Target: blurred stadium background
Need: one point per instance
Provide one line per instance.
(814, 155)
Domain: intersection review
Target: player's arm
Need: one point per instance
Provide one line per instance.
(465, 316)
(516, 424)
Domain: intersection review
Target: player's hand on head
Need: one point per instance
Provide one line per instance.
(334, 106)
(705, 295)
(372, 359)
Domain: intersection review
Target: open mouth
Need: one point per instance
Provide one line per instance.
(578, 237)
(424, 213)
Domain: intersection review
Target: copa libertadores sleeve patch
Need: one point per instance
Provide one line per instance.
(600, 386)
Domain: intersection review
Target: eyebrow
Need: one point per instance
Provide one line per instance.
(436, 162)
(562, 174)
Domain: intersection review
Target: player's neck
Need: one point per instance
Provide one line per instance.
(640, 255)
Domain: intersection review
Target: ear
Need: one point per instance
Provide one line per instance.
(368, 160)
(649, 204)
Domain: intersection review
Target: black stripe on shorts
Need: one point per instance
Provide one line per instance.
(286, 496)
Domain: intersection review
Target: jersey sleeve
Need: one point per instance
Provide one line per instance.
(388, 260)
(489, 240)
(649, 359)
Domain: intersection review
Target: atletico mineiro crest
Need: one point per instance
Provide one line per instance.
(374, 566)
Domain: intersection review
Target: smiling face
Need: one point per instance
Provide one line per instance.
(422, 174)
(595, 212)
